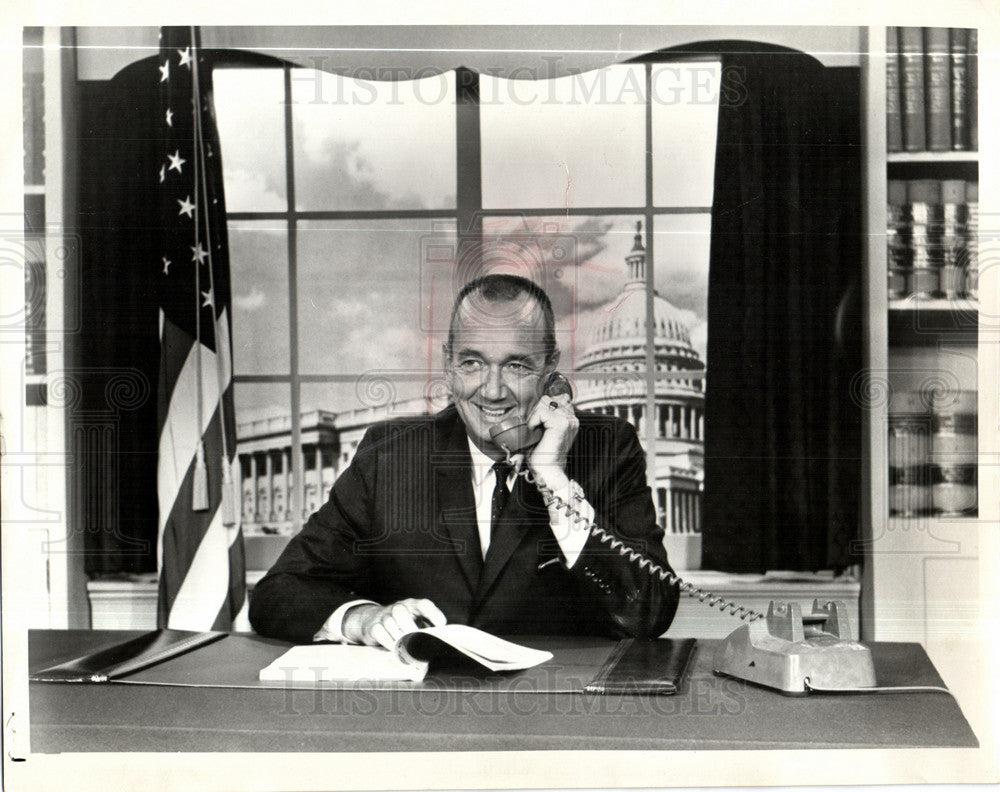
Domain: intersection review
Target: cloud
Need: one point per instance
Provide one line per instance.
(249, 190)
(250, 302)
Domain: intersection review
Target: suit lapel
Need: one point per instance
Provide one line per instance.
(455, 500)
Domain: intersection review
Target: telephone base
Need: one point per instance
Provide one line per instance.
(789, 652)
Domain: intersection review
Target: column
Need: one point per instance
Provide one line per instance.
(668, 511)
(302, 484)
(670, 420)
(269, 475)
(279, 488)
(318, 488)
(264, 491)
(255, 510)
(286, 466)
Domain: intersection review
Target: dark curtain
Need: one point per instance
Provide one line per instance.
(782, 435)
(119, 324)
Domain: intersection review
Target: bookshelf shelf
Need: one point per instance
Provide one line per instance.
(911, 305)
(910, 157)
(933, 524)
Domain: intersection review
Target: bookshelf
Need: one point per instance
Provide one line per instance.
(921, 570)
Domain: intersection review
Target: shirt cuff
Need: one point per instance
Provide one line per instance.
(571, 530)
(333, 628)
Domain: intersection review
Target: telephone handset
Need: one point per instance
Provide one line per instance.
(785, 649)
(513, 434)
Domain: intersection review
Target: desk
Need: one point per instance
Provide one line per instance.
(709, 713)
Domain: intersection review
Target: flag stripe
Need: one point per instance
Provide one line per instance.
(180, 432)
(192, 542)
(203, 590)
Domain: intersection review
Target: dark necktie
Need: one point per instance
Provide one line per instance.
(500, 494)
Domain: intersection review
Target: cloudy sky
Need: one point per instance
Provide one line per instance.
(374, 294)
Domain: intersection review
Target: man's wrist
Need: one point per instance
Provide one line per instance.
(552, 477)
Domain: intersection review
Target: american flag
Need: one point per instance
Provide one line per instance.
(200, 544)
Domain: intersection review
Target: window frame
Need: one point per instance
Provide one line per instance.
(468, 215)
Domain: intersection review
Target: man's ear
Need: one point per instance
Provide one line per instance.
(446, 356)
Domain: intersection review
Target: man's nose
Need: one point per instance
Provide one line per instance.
(494, 387)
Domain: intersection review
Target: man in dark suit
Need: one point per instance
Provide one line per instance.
(425, 526)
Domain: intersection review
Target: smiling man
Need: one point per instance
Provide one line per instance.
(429, 524)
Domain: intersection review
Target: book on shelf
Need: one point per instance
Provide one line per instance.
(972, 92)
(931, 89)
(953, 452)
(959, 49)
(909, 454)
(932, 453)
(937, 80)
(893, 100)
(899, 255)
(408, 661)
(954, 214)
(924, 198)
(970, 266)
(911, 75)
(931, 239)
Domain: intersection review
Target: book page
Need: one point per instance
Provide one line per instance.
(336, 662)
(494, 653)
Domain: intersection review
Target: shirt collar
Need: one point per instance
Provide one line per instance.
(482, 465)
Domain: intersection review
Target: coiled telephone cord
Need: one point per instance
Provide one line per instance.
(648, 565)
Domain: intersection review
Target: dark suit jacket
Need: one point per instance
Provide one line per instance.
(401, 522)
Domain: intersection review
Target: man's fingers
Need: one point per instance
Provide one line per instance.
(429, 611)
(381, 634)
(403, 618)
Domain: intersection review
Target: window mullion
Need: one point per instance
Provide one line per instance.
(295, 497)
(469, 178)
(650, 407)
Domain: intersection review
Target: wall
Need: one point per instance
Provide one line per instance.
(553, 50)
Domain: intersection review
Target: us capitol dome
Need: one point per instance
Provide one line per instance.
(615, 356)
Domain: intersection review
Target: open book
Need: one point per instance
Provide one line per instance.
(408, 660)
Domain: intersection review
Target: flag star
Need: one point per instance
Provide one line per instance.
(199, 253)
(163, 173)
(165, 70)
(176, 161)
(186, 207)
(208, 298)
(185, 57)
(170, 117)
(166, 265)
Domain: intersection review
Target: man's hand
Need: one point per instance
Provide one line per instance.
(383, 625)
(547, 460)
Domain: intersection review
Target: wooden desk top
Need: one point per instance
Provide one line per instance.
(709, 712)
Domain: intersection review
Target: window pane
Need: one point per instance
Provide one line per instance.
(249, 105)
(258, 255)
(572, 141)
(367, 312)
(685, 107)
(361, 144)
(263, 444)
(680, 249)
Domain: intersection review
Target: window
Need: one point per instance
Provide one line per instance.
(352, 205)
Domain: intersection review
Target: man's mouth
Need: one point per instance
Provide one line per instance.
(494, 413)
